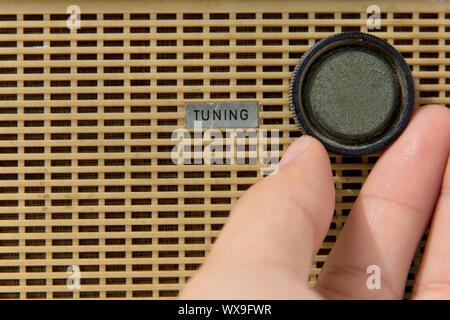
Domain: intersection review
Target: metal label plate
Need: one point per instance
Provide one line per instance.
(222, 114)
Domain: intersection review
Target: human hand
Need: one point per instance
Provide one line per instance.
(266, 248)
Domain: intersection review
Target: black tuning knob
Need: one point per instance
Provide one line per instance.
(352, 91)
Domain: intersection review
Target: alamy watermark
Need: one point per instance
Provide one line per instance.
(373, 20)
(74, 280)
(374, 280)
(231, 146)
(74, 20)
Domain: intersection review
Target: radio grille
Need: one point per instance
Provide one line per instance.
(86, 176)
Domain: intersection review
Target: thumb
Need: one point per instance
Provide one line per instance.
(278, 224)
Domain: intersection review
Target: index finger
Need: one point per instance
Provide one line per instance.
(391, 212)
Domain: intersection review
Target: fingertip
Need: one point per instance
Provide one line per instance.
(314, 149)
(432, 115)
(295, 149)
(432, 106)
(307, 180)
(428, 132)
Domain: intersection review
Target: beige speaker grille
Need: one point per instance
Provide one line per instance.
(86, 177)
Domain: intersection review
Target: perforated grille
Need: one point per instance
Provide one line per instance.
(86, 177)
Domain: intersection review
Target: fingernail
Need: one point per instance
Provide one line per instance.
(297, 147)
